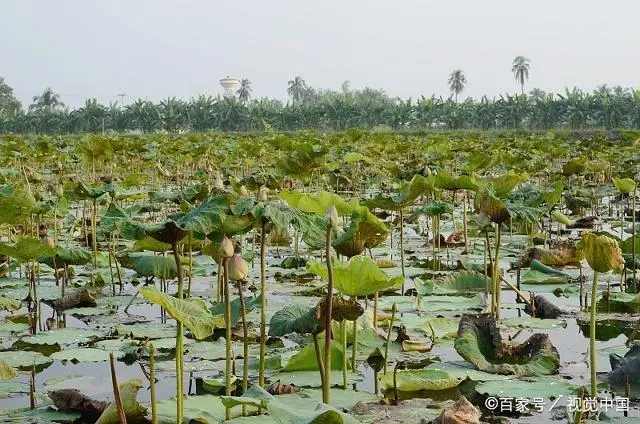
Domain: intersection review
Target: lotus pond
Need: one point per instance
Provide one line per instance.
(320, 278)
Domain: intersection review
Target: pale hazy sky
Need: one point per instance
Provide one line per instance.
(158, 48)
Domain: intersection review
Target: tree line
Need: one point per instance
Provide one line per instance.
(311, 108)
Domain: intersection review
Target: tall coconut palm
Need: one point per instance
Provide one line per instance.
(244, 92)
(297, 89)
(47, 100)
(457, 81)
(520, 70)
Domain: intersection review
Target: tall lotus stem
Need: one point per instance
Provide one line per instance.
(316, 346)
(152, 382)
(592, 334)
(495, 275)
(227, 319)
(332, 220)
(354, 346)
(263, 301)
(375, 311)
(245, 351)
(94, 236)
(190, 265)
(116, 391)
(386, 346)
(633, 237)
(179, 340)
(343, 330)
(402, 245)
(464, 220)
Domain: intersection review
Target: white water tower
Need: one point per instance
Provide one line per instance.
(230, 86)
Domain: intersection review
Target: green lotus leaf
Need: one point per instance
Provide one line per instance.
(575, 166)
(24, 359)
(84, 191)
(9, 305)
(602, 252)
(538, 323)
(27, 248)
(433, 208)
(480, 343)
(42, 415)
(84, 354)
(214, 215)
(561, 218)
(459, 282)
(624, 185)
(449, 182)
(545, 388)
(62, 336)
(147, 330)
(532, 276)
(407, 194)
(148, 265)
(250, 303)
(192, 313)
(319, 202)
(365, 231)
(493, 207)
(293, 318)
(440, 328)
(359, 276)
(151, 244)
(16, 204)
(415, 380)
(502, 185)
(6, 371)
(128, 397)
(353, 157)
(305, 359)
(68, 256)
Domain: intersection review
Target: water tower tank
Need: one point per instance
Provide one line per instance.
(230, 86)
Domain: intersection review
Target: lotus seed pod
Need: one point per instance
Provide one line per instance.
(602, 252)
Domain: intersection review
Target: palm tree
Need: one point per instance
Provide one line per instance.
(297, 89)
(244, 92)
(47, 100)
(457, 81)
(520, 70)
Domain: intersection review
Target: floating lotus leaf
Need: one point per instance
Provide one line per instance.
(359, 276)
(459, 282)
(62, 336)
(6, 371)
(24, 359)
(415, 380)
(532, 276)
(9, 305)
(27, 248)
(305, 359)
(545, 388)
(480, 343)
(83, 354)
(148, 265)
(293, 318)
(193, 313)
(440, 328)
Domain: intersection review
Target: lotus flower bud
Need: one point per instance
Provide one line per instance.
(226, 248)
(263, 194)
(49, 241)
(332, 216)
(242, 191)
(238, 268)
(602, 253)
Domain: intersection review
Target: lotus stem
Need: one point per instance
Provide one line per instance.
(402, 245)
(375, 311)
(32, 388)
(94, 236)
(327, 323)
(321, 368)
(497, 286)
(179, 341)
(263, 301)
(633, 238)
(227, 319)
(152, 382)
(592, 334)
(386, 346)
(116, 390)
(343, 330)
(354, 346)
(190, 265)
(245, 347)
(464, 220)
